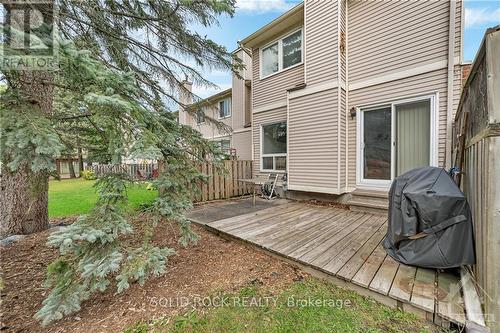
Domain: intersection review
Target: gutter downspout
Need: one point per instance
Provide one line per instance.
(449, 94)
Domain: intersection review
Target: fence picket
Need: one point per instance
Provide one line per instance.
(221, 184)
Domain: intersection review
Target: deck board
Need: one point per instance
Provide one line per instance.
(247, 218)
(365, 274)
(423, 292)
(354, 264)
(449, 300)
(278, 221)
(321, 237)
(321, 250)
(347, 245)
(300, 233)
(281, 229)
(352, 245)
(264, 219)
(382, 281)
(402, 285)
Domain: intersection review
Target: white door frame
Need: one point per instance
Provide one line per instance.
(433, 158)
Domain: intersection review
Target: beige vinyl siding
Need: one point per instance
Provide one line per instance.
(458, 28)
(241, 141)
(313, 142)
(239, 93)
(208, 129)
(321, 37)
(273, 89)
(391, 36)
(422, 84)
(343, 31)
(238, 103)
(263, 118)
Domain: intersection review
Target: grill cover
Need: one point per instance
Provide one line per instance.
(430, 223)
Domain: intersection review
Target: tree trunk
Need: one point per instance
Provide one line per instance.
(80, 159)
(24, 193)
(23, 202)
(71, 168)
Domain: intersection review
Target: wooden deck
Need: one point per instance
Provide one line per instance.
(346, 246)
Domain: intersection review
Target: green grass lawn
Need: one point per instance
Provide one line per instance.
(335, 310)
(77, 196)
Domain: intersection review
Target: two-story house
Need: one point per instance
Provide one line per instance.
(348, 94)
(230, 108)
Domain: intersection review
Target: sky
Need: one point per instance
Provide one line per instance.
(251, 15)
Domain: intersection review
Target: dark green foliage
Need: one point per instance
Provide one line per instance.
(121, 64)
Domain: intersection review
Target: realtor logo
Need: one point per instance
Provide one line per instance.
(28, 35)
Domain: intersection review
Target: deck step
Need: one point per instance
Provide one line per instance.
(370, 193)
(370, 201)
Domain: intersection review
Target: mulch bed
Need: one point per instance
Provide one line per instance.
(213, 265)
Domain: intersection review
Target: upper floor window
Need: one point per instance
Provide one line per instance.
(281, 54)
(225, 108)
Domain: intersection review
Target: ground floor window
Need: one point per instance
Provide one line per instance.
(273, 147)
(225, 145)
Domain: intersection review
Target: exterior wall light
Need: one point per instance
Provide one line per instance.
(353, 112)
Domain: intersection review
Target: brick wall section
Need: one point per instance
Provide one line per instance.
(465, 72)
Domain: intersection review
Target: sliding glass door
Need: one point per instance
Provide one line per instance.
(395, 138)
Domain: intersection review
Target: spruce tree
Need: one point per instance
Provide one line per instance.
(152, 39)
(120, 66)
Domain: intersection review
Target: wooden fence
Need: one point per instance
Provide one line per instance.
(477, 153)
(223, 184)
(136, 171)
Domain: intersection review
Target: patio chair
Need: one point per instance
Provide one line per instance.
(268, 189)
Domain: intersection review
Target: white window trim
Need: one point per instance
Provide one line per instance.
(228, 100)
(433, 158)
(280, 53)
(262, 155)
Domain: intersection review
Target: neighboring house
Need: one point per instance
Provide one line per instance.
(347, 95)
(230, 107)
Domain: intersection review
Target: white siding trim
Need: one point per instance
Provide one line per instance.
(252, 91)
(399, 75)
(215, 137)
(339, 93)
(304, 44)
(342, 82)
(270, 106)
(308, 90)
(318, 189)
(347, 137)
(449, 93)
(242, 130)
(462, 25)
(288, 136)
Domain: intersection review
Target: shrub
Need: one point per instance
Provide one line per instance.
(88, 174)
